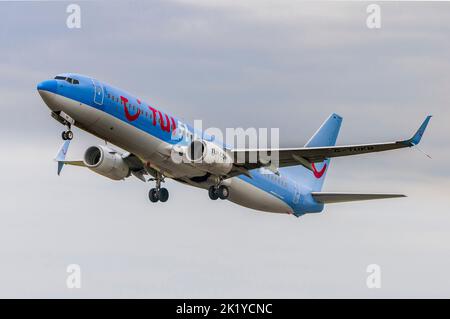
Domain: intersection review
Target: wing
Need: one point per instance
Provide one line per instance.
(137, 167)
(73, 163)
(306, 156)
(329, 198)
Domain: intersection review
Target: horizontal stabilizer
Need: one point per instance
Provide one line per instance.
(330, 198)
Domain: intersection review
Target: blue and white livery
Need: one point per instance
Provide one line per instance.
(151, 138)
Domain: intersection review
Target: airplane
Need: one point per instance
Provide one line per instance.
(150, 137)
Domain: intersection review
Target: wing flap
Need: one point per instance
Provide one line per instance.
(330, 198)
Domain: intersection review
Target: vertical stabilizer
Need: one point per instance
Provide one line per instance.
(326, 135)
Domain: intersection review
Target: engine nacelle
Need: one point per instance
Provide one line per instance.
(209, 157)
(106, 162)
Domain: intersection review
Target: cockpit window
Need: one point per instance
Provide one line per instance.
(70, 80)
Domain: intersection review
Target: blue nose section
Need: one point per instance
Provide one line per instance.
(49, 85)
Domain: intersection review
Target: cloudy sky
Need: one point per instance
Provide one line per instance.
(284, 64)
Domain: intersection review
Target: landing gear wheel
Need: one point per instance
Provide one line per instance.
(213, 194)
(223, 192)
(163, 195)
(153, 195)
(67, 135)
(158, 193)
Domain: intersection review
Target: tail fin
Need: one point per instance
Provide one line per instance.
(326, 135)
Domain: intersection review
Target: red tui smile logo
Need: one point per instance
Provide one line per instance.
(319, 174)
(128, 115)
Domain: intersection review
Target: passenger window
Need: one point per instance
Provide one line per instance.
(74, 81)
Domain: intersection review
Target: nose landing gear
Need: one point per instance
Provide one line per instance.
(158, 193)
(65, 120)
(67, 135)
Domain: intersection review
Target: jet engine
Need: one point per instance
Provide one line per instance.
(209, 157)
(107, 162)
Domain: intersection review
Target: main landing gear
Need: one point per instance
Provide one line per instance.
(216, 192)
(158, 193)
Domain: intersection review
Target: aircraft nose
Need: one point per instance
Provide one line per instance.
(48, 85)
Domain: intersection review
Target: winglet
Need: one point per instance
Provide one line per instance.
(61, 156)
(418, 136)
